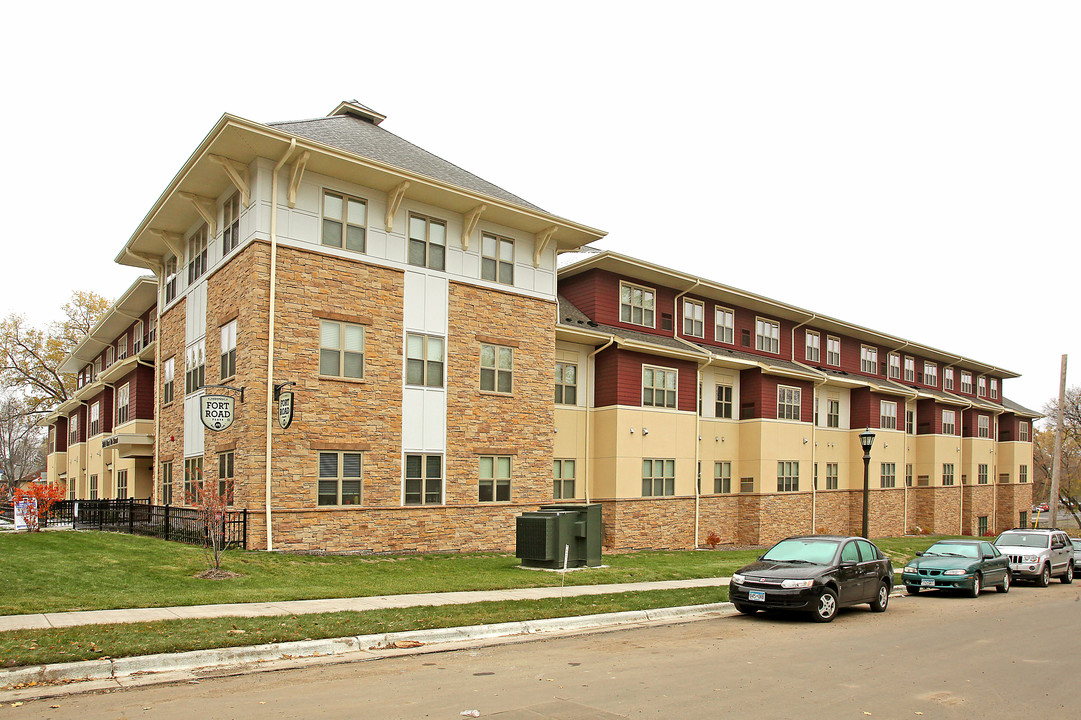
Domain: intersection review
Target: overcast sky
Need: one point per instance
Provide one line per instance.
(912, 167)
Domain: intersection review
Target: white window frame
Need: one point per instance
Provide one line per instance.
(949, 422)
(168, 389)
(658, 477)
(930, 374)
(227, 368)
(767, 335)
(983, 426)
(994, 388)
(833, 350)
(893, 362)
(812, 346)
(494, 474)
(122, 347)
(339, 478)
(424, 478)
(496, 261)
(647, 305)
(887, 475)
(722, 477)
(668, 387)
(887, 414)
(981, 386)
(869, 359)
(833, 475)
(137, 339)
(493, 370)
(563, 484)
(435, 253)
(230, 224)
(340, 349)
(430, 361)
(966, 382)
(833, 412)
(95, 419)
(1022, 431)
(123, 403)
(345, 222)
(789, 402)
(197, 254)
(788, 476)
(947, 378)
(694, 314)
(724, 321)
(195, 366)
(724, 405)
(948, 474)
(566, 383)
(910, 369)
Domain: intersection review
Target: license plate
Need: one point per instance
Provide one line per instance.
(927, 582)
(756, 595)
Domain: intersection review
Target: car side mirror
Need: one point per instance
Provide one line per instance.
(919, 554)
(988, 556)
(847, 563)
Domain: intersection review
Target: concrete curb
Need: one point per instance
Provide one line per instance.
(170, 667)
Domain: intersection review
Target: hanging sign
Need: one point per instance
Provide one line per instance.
(285, 410)
(216, 411)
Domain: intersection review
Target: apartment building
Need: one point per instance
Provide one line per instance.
(101, 440)
(691, 406)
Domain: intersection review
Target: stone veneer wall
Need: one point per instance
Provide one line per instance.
(979, 500)
(171, 340)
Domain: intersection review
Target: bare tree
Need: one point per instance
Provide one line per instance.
(1043, 447)
(20, 443)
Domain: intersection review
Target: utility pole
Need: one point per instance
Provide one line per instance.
(1056, 463)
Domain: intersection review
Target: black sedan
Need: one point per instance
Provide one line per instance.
(816, 574)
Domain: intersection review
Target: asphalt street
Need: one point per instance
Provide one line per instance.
(930, 656)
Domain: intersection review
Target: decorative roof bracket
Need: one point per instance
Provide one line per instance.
(238, 175)
(154, 263)
(470, 224)
(394, 199)
(173, 240)
(206, 209)
(296, 173)
(540, 243)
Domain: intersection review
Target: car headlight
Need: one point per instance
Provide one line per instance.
(789, 584)
(1030, 558)
(737, 578)
(910, 569)
(958, 571)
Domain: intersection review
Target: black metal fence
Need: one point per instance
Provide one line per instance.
(7, 511)
(139, 517)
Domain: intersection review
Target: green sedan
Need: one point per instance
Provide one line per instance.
(968, 565)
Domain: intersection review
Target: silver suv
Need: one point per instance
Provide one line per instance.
(1038, 554)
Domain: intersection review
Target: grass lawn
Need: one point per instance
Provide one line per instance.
(59, 571)
(90, 642)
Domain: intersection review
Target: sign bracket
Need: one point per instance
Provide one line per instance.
(228, 387)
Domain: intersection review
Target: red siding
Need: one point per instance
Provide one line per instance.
(1008, 427)
(619, 378)
(142, 399)
(606, 381)
(758, 395)
(61, 430)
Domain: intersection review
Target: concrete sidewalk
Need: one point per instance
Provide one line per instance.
(306, 607)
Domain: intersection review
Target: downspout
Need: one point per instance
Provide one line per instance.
(270, 335)
(961, 499)
(814, 432)
(698, 452)
(112, 451)
(590, 402)
(904, 456)
(994, 469)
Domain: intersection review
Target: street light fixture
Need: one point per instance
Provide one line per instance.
(867, 439)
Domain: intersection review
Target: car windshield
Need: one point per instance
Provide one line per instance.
(953, 550)
(1023, 540)
(819, 552)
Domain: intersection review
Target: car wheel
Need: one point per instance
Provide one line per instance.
(1004, 586)
(882, 598)
(1068, 577)
(745, 609)
(974, 591)
(1045, 576)
(826, 609)
(912, 589)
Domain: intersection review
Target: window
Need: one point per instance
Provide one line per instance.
(497, 259)
(339, 478)
(910, 422)
(97, 369)
(166, 496)
(344, 220)
(833, 351)
(427, 242)
(894, 362)
(947, 378)
(888, 475)
(110, 354)
(981, 524)
(910, 369)
(1004, 478)
(767, 335)
(424, 360)
(170, 280)
(983, 424)
(981, 386)
(226, 466)
(193, 477)
(832, 476)
(152, 327)
(722, 477)
(93, 487)
(930, 374)
(73, 430)
(787, 476)
(947, 473)
(966, 382)
(123, 394)
(788, 403)
(228, 349)
(887, 415)
(658, 477)
(908, 475)
(694, 318)
(496, 368)
(658, 387)
(494, 478)
(563, 479)
(95, 419)
(341, 349)
(168, 375)
(197, 255)
(566, 384)
(949, 424)
(994, 388)
(137, 338)
(122, 348)
(636, 304)
(1022, 474)
(121, 484)
(869, 359)
(981, 474)
(833, 413)
(1023, 519)
(812, 342)
(1022, 431)
(724, 402)
(195, 367)
(423, 479)
(725, 319)
(746, 484)
(230, 223)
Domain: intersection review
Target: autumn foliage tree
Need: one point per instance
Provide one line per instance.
(36, 499)
(211, 500)
(1043, 453)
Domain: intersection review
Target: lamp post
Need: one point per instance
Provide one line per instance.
(867, 439)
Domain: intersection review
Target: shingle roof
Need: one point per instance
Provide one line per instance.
(366, 139)
(1019, 409)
